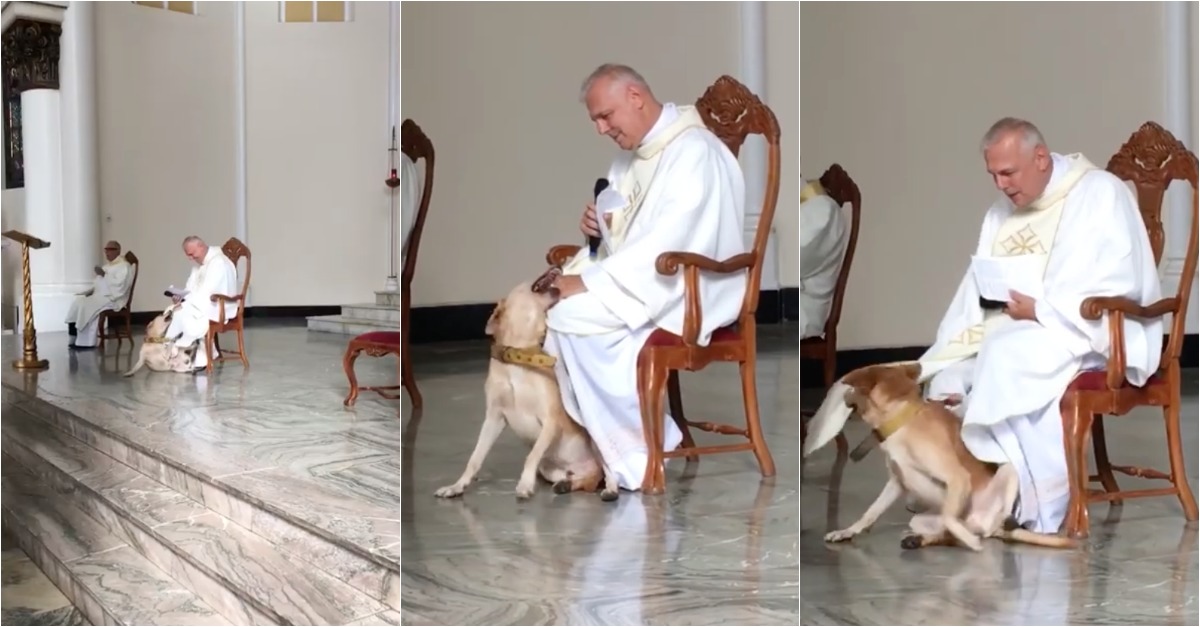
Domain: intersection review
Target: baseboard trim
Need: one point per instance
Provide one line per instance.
(462, 323)
(811, 375)
(260, 312)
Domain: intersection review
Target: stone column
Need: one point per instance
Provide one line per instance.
(1178, 83)
(391, 283)
(80, 242)
(753, 73)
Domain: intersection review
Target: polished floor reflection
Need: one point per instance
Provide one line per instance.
(719, 548)
(1138, 568)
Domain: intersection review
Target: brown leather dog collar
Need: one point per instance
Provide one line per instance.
(886, 430)
(154, 340)
(534, 357)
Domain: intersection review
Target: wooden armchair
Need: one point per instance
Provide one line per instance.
(732, 112)
(235, 250)
(416, 146)
(1151, 159)
(108, 323)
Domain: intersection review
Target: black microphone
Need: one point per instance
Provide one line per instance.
(594, 242)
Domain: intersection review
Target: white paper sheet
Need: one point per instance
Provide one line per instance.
(995, 276)
(607, 202)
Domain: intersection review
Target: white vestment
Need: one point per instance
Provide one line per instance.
(823, 238)
(684, 192)
(410, 201)
(108, 292)
(189, 323)
(1091, 241)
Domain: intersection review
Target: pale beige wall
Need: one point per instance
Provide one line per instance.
(316, 146)
(900, 93)
(12, 214)
(166, 134)
(783, 94)
(318, 139)
(495, 85)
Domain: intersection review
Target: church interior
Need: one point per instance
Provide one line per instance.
(900, 95)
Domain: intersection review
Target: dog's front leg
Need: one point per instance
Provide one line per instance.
(892, 491)
(493, 426)
(611, 488)
(958, 493)
(528, 480)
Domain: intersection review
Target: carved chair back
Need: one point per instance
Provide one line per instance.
(842, 189)
(235, 250)
(416, 146)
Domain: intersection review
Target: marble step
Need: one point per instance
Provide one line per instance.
(243, 576)
(348, 326)
(370, 312)
(389, 299)
(290, 523)
(105, 578)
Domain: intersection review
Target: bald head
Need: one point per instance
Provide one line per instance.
(195, 248)
(620, 103)
(112, 250)
(1018, 160)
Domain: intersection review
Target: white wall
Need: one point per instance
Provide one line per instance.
(316, 146)
(495, 86)
(900, 94)
(12, 215)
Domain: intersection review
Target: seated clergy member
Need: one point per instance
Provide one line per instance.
(1013, 362)
(680, 189)
(823, 236)
(214, 273)
(110, 288)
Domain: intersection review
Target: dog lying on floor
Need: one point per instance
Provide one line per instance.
(926, 459)
(522, 392)
(160, 355)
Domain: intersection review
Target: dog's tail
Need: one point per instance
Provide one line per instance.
(138, 366)
(829, 420)
(1013, 532)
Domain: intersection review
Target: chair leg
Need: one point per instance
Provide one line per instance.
(675, 402)
(348, 360)
(766, 464)
(1076, 428)
(407, 379)
(242, 347)
(210, 338)
(1178, 468)
(1103, 467)
(100, 322)
(652, 380)
(128, 330)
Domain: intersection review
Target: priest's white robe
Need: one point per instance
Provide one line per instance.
(685, 192)
(1088, 233)
(189, 323)
(410, 201)
(823, 238)
(108, 292)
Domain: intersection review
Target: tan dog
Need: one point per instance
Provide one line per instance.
(522, 392)
(928, 460)
(158, 354)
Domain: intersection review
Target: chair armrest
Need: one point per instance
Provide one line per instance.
(669, 263)
(220, 300)
(1117, 307)
(562, 253)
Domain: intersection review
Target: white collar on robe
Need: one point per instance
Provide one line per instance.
(1058, 169)
(666, 117)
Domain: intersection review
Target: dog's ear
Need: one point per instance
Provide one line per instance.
(862, 381)
(493, 323)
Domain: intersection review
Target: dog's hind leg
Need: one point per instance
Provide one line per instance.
(927, 530)
(958, 491)
(493, 426)
(611, 488)
(892, 491)
(528, 482)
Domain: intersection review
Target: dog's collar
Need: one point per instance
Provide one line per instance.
(155, 340)
(534, 357)
(885, 430)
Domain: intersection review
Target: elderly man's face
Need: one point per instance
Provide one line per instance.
(111, 251)
(195, 251)
(615, 109)
(1022, 174)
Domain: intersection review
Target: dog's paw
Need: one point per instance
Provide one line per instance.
(562, 487)
(973, 542)
(450, 491)
(841, 535)
(525, 489)
(909, 543)
(608, 495)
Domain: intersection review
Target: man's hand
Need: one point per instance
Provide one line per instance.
(98, 270)
(569, 285)
(176, 299)
(588, 223)
(1021, 307)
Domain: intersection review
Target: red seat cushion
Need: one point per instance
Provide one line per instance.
(389, 338)
(1094, 381)
(666, 338)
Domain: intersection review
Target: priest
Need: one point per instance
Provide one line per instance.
(1012, 363)
(110, 289)
(213, 273)
(676, 187)
(823, 237)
